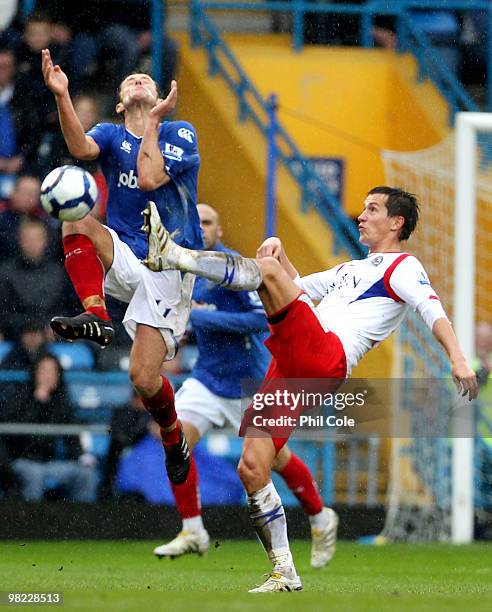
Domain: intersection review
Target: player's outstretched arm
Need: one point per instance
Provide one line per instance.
(79, 145)
(464, 377)
(150, 162)
(272, 247)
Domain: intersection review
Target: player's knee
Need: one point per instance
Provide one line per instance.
(251, 474)
(144, 383)
(269, 267)
(75, 227)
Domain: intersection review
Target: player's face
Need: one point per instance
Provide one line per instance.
(210, 224)
(375, 226)
(138, 89)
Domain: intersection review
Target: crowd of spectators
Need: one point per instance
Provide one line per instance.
(97, 42)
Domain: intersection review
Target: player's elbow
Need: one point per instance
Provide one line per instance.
(147, 182)
(84, 153)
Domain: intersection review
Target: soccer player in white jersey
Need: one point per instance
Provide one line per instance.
(360, 304)
(145, 156)
(229, 328)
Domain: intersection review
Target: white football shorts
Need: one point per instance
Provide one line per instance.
(157, 299)
(198, 406)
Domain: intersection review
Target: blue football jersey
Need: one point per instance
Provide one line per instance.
(229, 333)
(176, 201)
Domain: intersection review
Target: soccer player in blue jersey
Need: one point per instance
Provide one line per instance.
(230, 327)
(142, 158)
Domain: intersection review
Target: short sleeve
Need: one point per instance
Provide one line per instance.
(180, 148)
(102, 133)
(410, 282)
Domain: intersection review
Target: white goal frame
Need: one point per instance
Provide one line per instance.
(467, 125)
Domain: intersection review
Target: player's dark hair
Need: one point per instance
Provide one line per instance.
(400, 203)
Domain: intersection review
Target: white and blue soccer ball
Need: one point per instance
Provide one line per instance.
(68, 193)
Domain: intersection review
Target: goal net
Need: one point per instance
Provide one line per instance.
(439, 481)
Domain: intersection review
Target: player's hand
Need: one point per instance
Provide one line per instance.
(465, 379)
(54, 77)
(271, 247)
(166, 106)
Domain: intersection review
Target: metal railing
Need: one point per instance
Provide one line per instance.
(251, 105)
(411, 38)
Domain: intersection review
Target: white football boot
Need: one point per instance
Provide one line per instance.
(324, 540)
(159, 240)
(281, 579)
(186, 542)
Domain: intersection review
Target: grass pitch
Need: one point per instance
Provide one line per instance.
(126, 576)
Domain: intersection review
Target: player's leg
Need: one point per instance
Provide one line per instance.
(323, 521)
(266, 511)
(149, 350)
(193, 537)
(198, 410)
(275, 287)
(88, 248)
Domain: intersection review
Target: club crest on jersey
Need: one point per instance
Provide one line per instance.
(126, 146)
(377, 260)
(186, 134)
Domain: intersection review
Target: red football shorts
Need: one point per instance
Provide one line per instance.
(300, 348)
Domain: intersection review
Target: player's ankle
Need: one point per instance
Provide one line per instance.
(99, 311)
(193, 524)
(172, 436)
(319, 520)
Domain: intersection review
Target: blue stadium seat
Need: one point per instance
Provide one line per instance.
(95, 394)
(73, 356)
(5, 348)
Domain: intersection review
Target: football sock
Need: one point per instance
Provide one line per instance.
(161, 407)
(300, 481)
(268, 518)
(319, 521)
(230, 271)
(85, 270)
(194, 524)
(187, 498)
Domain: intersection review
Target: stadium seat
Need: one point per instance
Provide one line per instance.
(73, 356)
(96, 394)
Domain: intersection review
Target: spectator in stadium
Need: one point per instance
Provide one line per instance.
(33, 285)
(361, 303)
(129, 425)
(10, 159)
(28, 347)
(23, 203)
(39, 459)
(32, 120)
(115, 33)
(230, 327)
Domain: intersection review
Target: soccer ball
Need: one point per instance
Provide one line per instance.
(68, 193)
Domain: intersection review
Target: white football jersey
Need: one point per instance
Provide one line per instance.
(364, 301)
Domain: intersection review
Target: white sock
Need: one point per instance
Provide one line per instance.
(320, 520)
(193, 524)
(268, 517)
(230, 271)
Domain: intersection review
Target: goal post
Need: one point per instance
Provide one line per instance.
(466, 159)
(433, 480)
